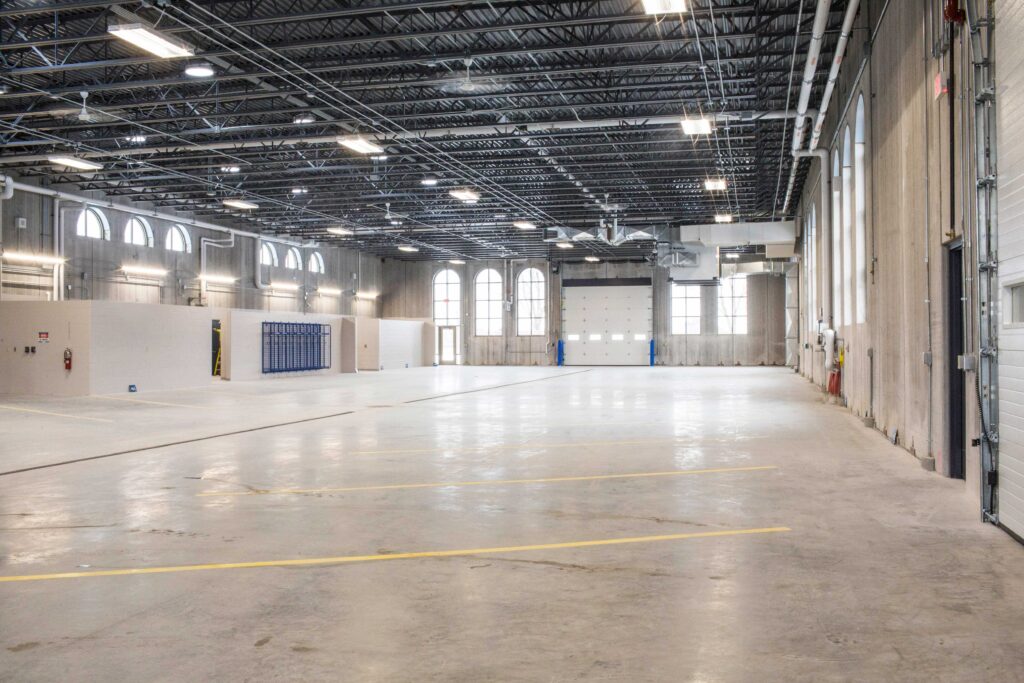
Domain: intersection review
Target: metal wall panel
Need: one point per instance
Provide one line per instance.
(1010, 136)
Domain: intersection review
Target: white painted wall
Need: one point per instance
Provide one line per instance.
(42, 373)
(155, 347)
(368, 343)
(243, 342)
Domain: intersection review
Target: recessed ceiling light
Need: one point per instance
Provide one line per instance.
(701, 126)
(303, 119)
(429, 181)
(465, 194)
(564, 245)
(240, 204)
(339, 231)
(408, 248)
(230, 169)
(524, 225)
(74, 162)
(151, 40)
(380, 157)
(136, 138)
(456, 262)
(357, 143)
(723, 218)
(591, 259)
(199, 70)
(299, 190)
(664, 6)
(715, 184)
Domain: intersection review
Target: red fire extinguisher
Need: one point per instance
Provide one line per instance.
(67, 358)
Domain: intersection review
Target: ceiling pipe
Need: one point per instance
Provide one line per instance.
(106, 203)
(833, 76)
(490, 129)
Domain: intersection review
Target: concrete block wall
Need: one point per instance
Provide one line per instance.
(918, 203)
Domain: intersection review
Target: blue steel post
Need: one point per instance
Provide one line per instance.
(561, 353)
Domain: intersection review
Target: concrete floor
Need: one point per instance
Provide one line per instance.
(884, 573)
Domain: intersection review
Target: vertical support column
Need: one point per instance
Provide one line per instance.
(793, 315)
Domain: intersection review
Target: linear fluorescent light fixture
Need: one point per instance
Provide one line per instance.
(591, 259)
(715, 184)
(732, 255)
(302, 119)
(230, 169)
(664, 6)
(285, 286)
(143, 270)
(138, 139)
(701, 126)
(367, 295)
(299, 190)
(429, 181)
(456, 262)
(240, 204)
(408, 248)
(564, 245)
(524, 225)
(357, 143)
(151, 40)
(218, 279)
(41, 259)
(464, 194)
(74, 162)
(199, 70)
(328, 291)
(340, 231)
(723, 218)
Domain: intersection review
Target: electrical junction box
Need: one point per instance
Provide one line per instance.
(21, 223)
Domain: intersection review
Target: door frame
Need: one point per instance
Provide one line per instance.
(440, 344)
(956, 381)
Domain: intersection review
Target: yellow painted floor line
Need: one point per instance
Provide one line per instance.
(346, 559)
(142, 400)
(527, 445)
(487, 482)
(47, 412)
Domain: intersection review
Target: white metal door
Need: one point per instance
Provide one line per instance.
(447, 345)
(1010, 141)
(607, 325)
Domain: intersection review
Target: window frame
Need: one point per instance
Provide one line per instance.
(731, 301)
(491, 324)
(681, 320)
(82, 224)
(452, 296)
(266, 248)
(316, 264)
(186, 239)
(847, 178)
(860, 211)
(141, 224)
(292, 258)
(527, 316)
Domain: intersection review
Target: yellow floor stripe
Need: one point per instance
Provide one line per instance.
(566, 444)
(141, 400)
(346, 559)
(46, 412)
(487, 482)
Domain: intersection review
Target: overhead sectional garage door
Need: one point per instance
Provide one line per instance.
(1010, 103)
(607, 322)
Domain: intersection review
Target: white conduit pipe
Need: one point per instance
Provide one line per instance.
(257, 265)
(833, 75)
(205, 242)
(806, 86)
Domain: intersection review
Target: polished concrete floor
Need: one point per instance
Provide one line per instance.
(519, 524)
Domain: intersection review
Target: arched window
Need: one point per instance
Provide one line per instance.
(860, 210)
(489, 302)
(834, 244)
(530, 308)
(137, 231)
(178, 240)
(293, 259)
(92, 223)
(447, 298)
(811, 254)
(847, 228)
(268, 255)
(316, 263)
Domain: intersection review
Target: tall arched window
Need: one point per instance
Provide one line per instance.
(92, 223)
(860, 210)
(835, 243)
(293, 259)
(316, 263)
(811, 254)
(447, 298)
(178, 240)
(137, 231)
(268, 255)
(530, 308)
(847, 227)
(489, 301)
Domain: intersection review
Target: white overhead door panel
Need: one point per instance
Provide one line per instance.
(607, 325)
(1010, 107)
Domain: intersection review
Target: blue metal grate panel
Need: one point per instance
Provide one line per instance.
(296, 347)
